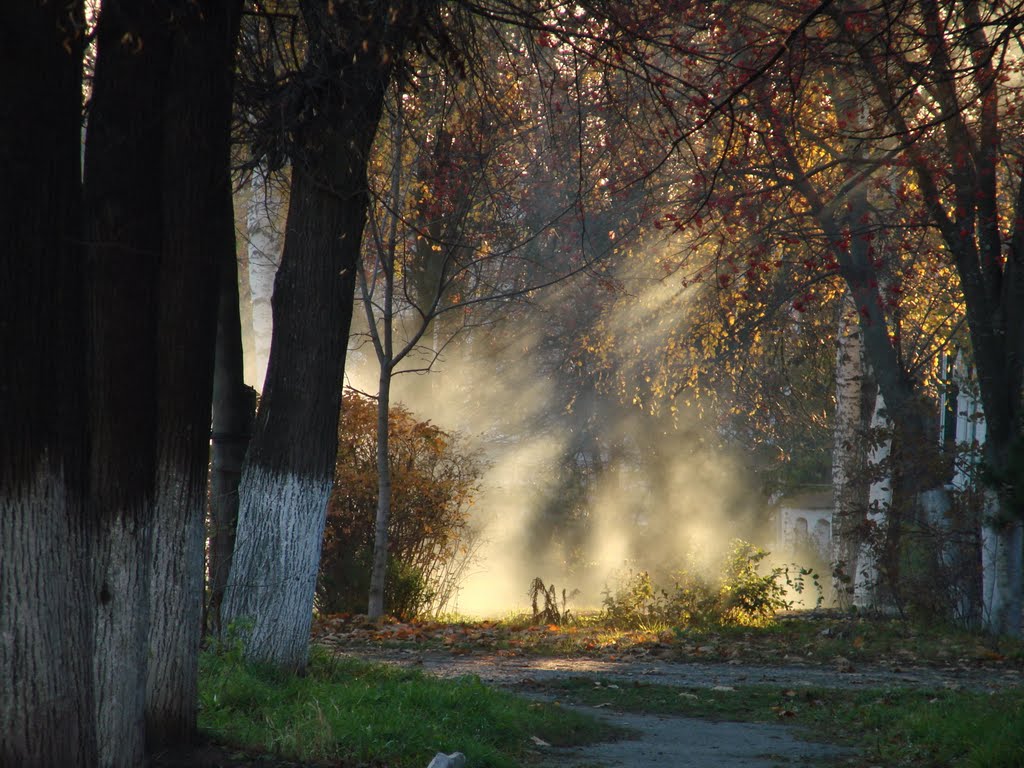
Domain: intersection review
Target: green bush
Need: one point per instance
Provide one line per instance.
(741, 595)
(746, 595)
(343, 585)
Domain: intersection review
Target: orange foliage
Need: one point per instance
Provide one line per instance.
(433, 485)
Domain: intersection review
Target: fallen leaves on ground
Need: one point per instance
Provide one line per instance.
(841, 641)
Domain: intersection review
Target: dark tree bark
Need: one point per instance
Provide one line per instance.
(123, 184)
(197, 181)
(82, 263)
(46, 624)
(290, 466)
(234, 406)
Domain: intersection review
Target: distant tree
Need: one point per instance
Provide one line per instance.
(928, 135)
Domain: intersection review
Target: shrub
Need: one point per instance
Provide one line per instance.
(740, 595)
(434, 481)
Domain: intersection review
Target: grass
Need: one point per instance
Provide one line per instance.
(897, 728)
(362, 714)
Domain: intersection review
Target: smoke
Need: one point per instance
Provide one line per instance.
(583, 483)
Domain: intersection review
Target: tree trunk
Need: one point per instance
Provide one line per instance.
(849, 500)
(1001, 566)
(379, 569)
(197, 210)
(263, 218)
(122, 194)
(866, 577)
(289, 471)
(46, 606)
(234, 405)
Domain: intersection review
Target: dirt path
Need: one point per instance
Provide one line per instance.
(676, 742)
(508, 671)
(681, 742)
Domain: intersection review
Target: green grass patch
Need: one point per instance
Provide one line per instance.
(896, 728)
(362, 714)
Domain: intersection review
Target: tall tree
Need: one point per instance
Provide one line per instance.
(46, 684)
(337, 100)
(196, 209)
(94, 324)
(922, 142)
(122, 193)
(942, 118)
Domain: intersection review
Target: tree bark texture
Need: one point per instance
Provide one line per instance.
(848, 486)
(379, 568)
(123, 183)
(234, 406)
(866, 579)
(80, 284)
(46, 623)
(1001, 568)
(196, 207)
(289, 470)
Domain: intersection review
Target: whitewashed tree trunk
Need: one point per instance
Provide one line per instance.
(847, 452)
(122, 560)
(273, 571)
(865, 593)
(263, 220)
(46, 625)
(290, 466)
(46, 596)
(125, 176)
(1001, 570)
(176, 605)
(198, 236)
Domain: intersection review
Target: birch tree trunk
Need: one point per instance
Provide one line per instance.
(1001, 568)
(847, 455)
(867, 575)
(46, 606)
(264, 215)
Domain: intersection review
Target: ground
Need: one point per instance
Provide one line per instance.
(689, 742)
(831, 652)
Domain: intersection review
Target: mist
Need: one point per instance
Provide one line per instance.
(582, 484)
